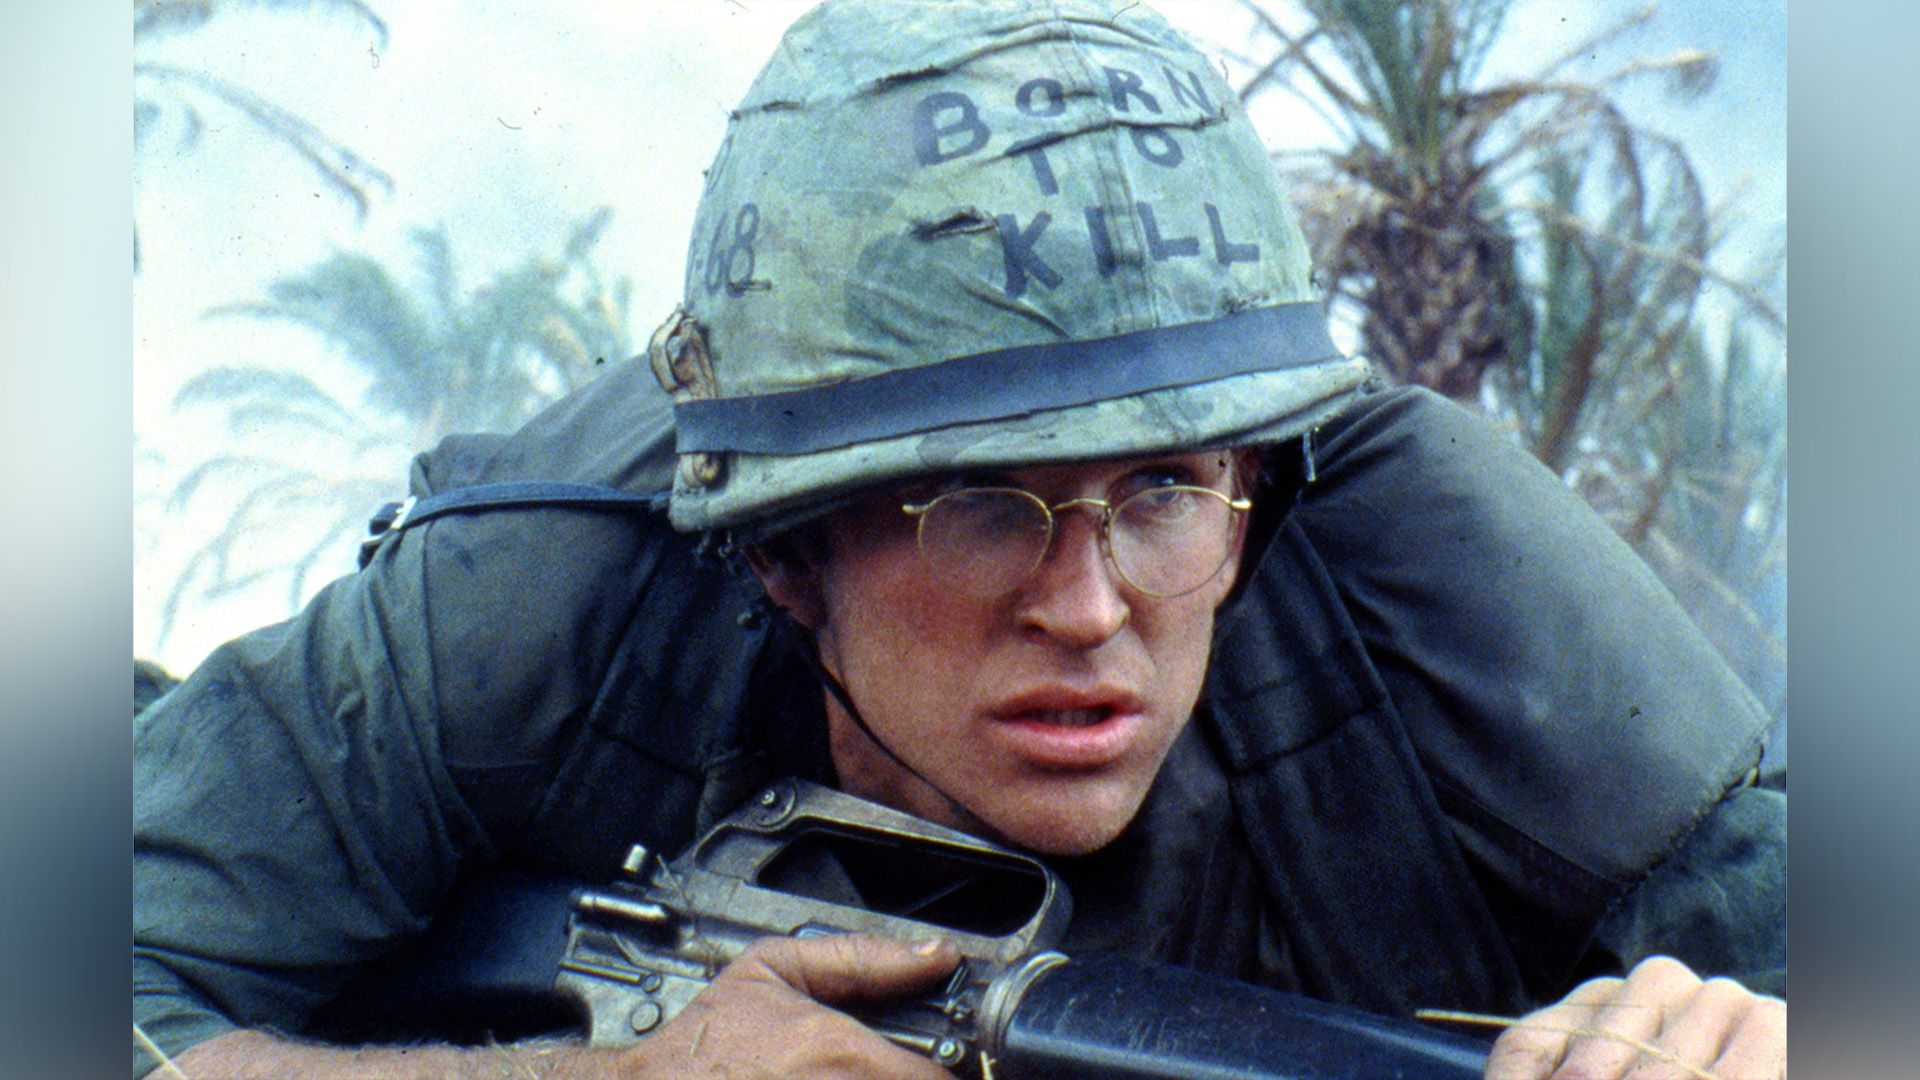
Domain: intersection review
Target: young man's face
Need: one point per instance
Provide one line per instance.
(1042, 715)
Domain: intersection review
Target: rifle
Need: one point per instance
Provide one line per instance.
(806, 860)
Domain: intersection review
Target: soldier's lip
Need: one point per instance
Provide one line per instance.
(1064, 729)
(1066, 699)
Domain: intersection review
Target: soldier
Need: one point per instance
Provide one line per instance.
(1062, 522)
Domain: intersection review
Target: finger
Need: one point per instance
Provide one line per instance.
(1631, 1019)
(1534, 1046)
(1694, 1034)
(754, 1024)
(841, 968)
(1758, 1046)
(840, 1046)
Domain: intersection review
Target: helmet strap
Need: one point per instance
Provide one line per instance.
(810, 650)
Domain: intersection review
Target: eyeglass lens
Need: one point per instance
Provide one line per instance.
(1163, 541)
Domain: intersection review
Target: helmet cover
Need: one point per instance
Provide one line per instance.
(948, 235)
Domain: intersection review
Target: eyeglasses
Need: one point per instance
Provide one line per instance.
(1163, 541)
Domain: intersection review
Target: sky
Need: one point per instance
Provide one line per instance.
(508, 121)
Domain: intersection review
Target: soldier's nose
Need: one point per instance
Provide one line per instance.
(1073, 597)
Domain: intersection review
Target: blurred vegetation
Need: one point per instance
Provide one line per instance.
(162, 90)
(436, 359)
(1526, 247)
(1523, 245)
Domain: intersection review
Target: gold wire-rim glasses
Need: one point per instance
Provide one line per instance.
(1109, 511)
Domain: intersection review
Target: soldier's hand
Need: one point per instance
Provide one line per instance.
(1715, 1025)
(769, 1013)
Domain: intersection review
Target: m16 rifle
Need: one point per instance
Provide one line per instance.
(804, 860)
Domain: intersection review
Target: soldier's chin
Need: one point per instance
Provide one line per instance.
(1066, 827)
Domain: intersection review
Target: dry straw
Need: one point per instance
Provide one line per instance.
(1484, 1020)
(167, 1067)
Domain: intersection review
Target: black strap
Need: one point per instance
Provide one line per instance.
(1005, 383)
(810, 651)
(501, 495)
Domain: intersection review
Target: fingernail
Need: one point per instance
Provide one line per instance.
(930, 946)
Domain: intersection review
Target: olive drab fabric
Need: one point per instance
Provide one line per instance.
(1451, 724)
(1462, 712)
(941, 235)
(1440, 805)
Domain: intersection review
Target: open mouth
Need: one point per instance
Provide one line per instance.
(1065, 718)
(1080, 736)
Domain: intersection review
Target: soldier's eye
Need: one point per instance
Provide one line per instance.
(1157, 475)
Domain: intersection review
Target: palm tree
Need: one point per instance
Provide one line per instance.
(1525, 247)
(1412, 213)
(1712, 517)
(161, 87)
(436, 360)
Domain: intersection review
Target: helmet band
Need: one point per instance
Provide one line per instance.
(1005, 383)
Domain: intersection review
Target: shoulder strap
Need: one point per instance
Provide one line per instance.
(1370, 891)
(509, 494)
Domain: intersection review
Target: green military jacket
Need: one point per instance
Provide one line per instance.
(1457, 719)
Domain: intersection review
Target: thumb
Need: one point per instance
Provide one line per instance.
(841, 968)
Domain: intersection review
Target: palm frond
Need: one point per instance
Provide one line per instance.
(231, 385)
(354, 303)
(162, 17)
(439, 360)
(219, 466)
(158, 18)
(586, 234)
(1348, 107)
(1526, 245)
(442, 277)
(346, 172)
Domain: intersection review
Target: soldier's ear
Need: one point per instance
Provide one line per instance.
(791, 578)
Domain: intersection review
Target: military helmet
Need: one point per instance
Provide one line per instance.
(949, 235)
